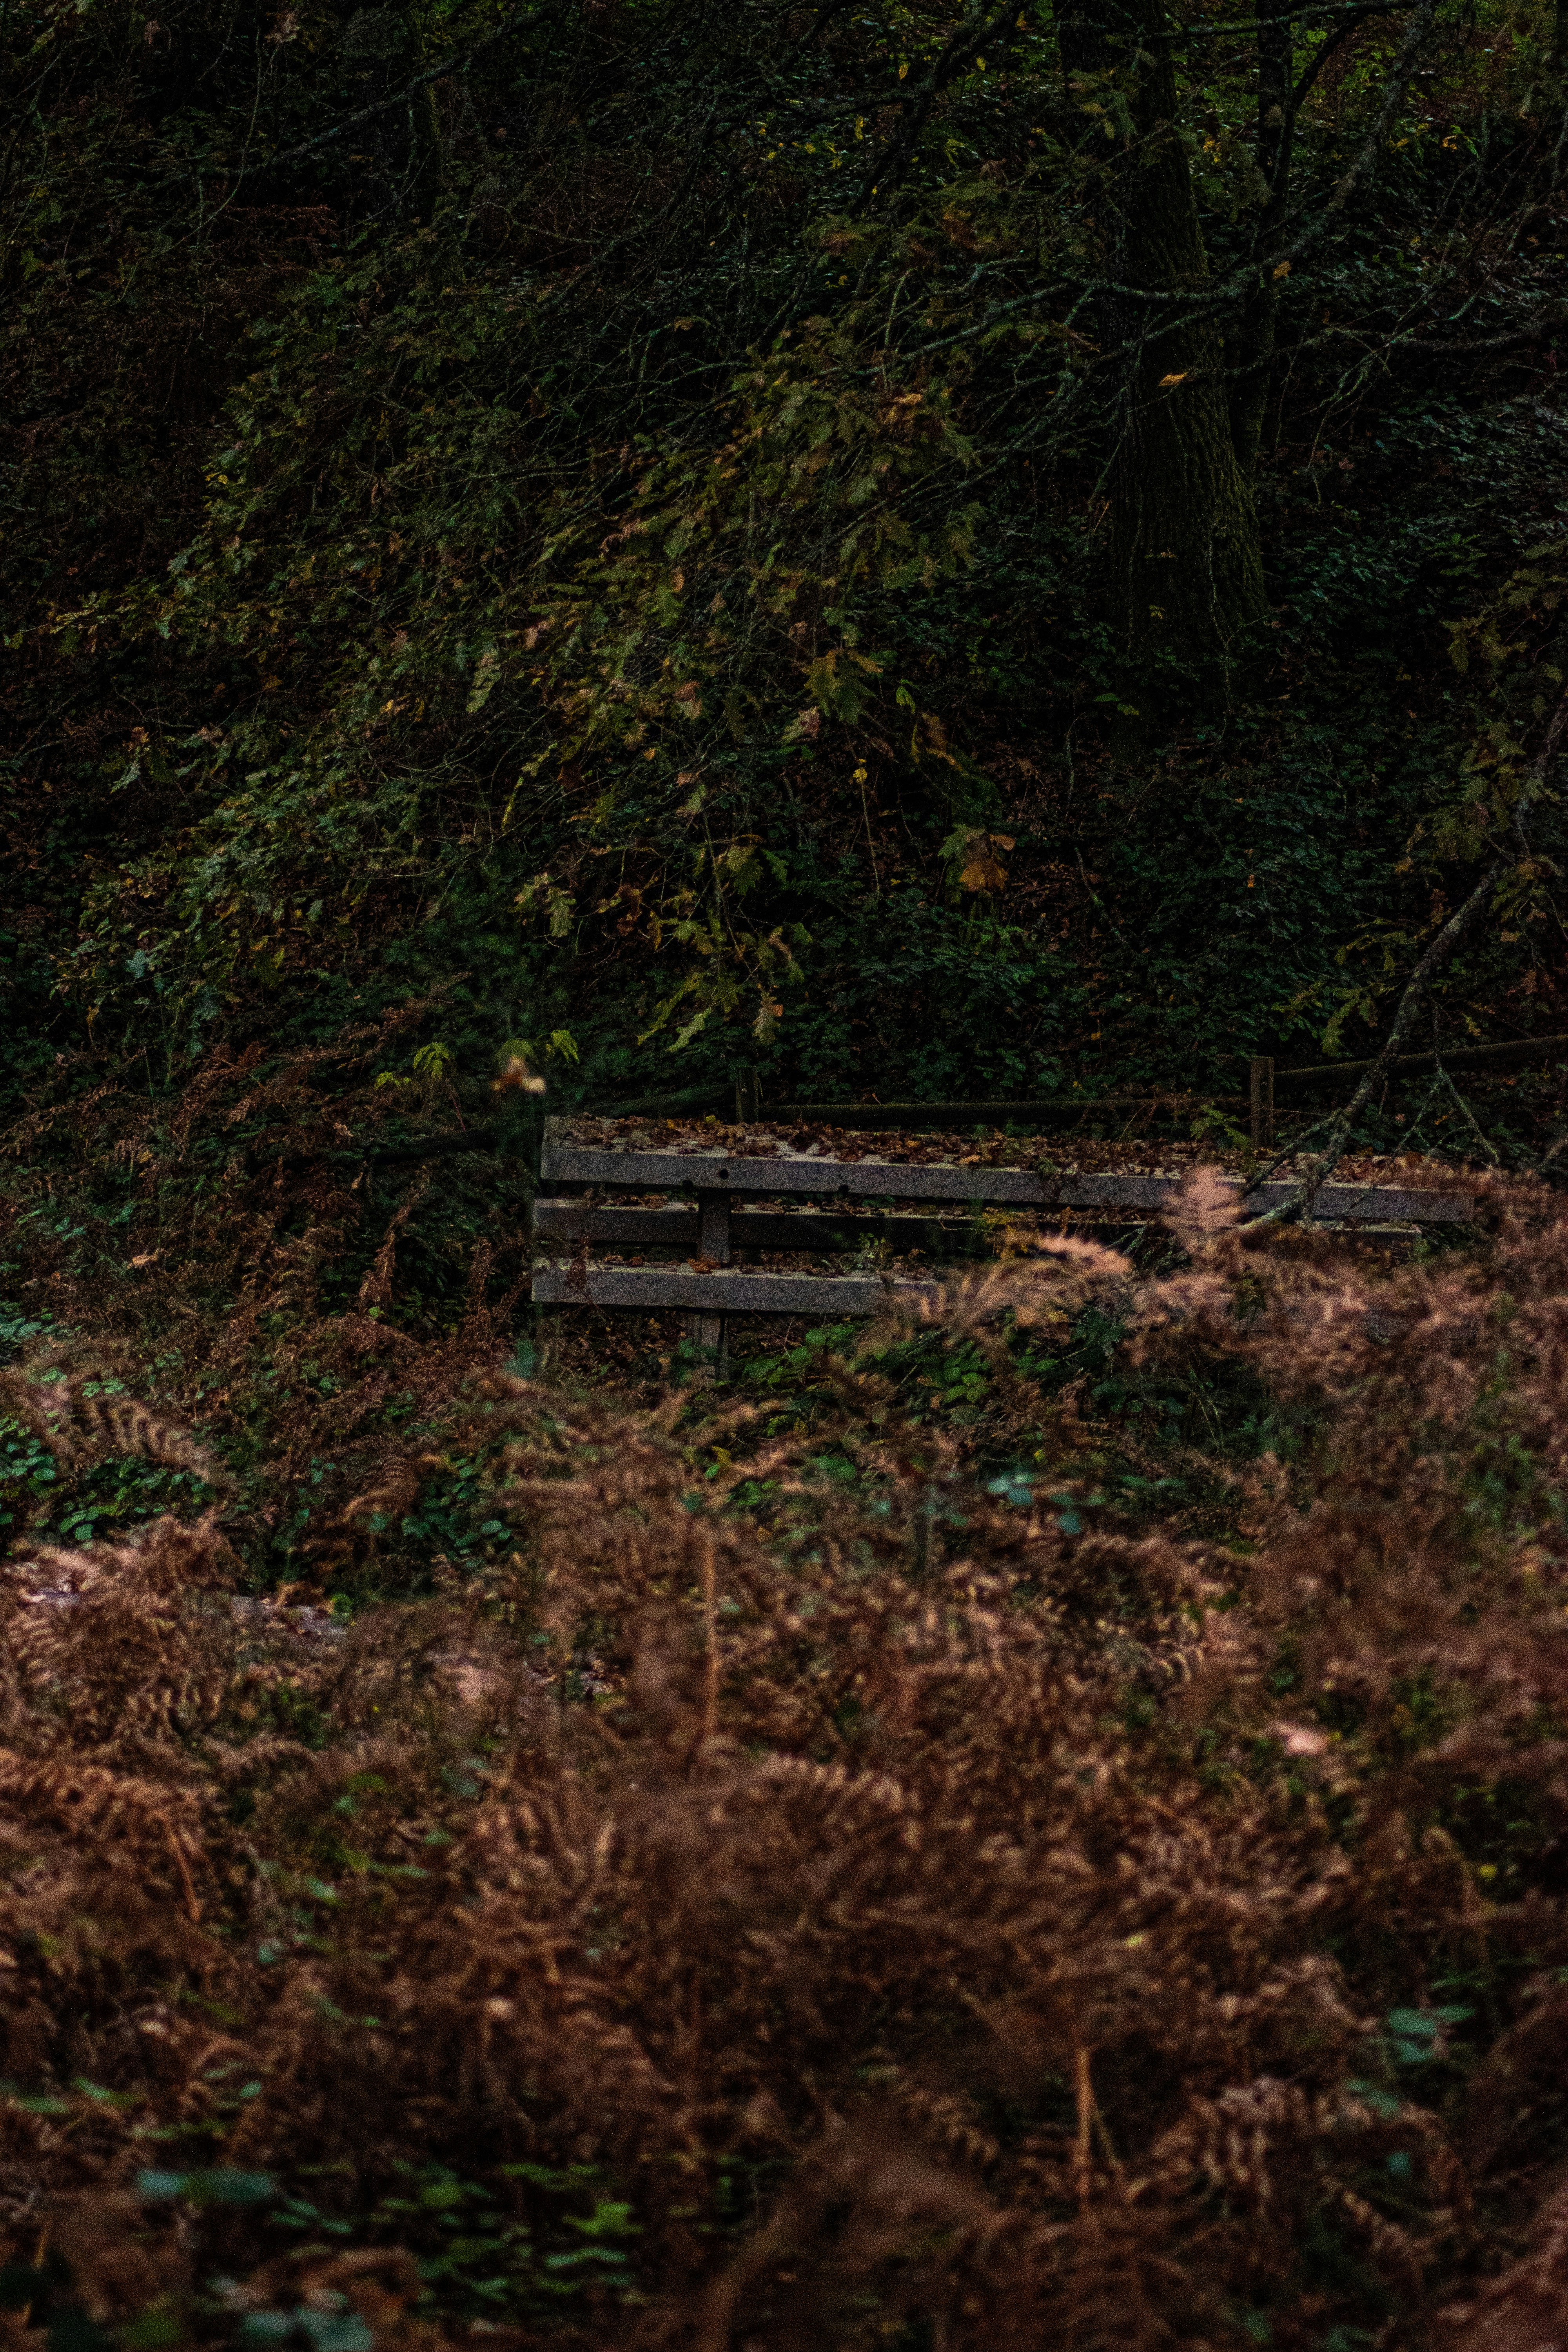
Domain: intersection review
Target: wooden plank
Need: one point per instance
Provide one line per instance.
(1458, 1058)
(819, 1231)
(714, 1296)
(1371, 1204)
(824, 1179)
(733, 1291)
(805, 1228)
(937, 1117)
(817, 1176)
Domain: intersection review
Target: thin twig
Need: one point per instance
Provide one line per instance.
(711, 1637)
(1083, 2095)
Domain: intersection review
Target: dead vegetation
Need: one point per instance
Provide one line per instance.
(770, 1909)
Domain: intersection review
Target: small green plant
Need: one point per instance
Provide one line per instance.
(505, 2246)
(27, 1472)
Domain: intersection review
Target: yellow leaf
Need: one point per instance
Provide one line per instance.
(1283, 270)
(1167, 380)
(983, 873)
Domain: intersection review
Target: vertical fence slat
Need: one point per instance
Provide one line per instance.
(1262, 1100)
(713, 1245)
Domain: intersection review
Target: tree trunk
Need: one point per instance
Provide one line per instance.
(1185, 559)
(1186, 585)
(1250, 349)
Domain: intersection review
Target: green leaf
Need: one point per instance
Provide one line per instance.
(217, 2187)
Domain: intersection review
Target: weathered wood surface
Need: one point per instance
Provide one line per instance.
(816, 1176)
(753, 1229)
(728, 1290)
(714, 1247)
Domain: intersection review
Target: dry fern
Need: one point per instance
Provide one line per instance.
(1011, 1899)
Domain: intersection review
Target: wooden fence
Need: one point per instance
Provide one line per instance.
(710, 1228)
(1264, 1083)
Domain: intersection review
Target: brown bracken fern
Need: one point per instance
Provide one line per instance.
(944, 1913)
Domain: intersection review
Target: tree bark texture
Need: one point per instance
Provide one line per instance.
(1250, 351)
(1186, 574)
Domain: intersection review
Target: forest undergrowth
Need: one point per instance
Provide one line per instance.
(966, 555)
(801, 1881)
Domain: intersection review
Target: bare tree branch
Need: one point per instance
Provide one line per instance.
(453, 64)
(978, 33)
(1452, 936)
(1336, 40)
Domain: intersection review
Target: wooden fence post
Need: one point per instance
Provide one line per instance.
(714, 1246)
(1262, 1100)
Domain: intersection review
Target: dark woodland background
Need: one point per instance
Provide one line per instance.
(934, 555)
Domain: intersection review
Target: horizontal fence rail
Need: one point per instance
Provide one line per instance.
(756, 1229)
(728, 1290)
(1516, 1050)
(1042, 1111)
(662, 1105)
(1266, 1080)
(960, 1115)
(871, 1179)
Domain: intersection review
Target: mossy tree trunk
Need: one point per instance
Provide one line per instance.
(1185, 576)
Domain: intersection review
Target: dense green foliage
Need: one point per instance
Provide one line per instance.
(622, 532)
